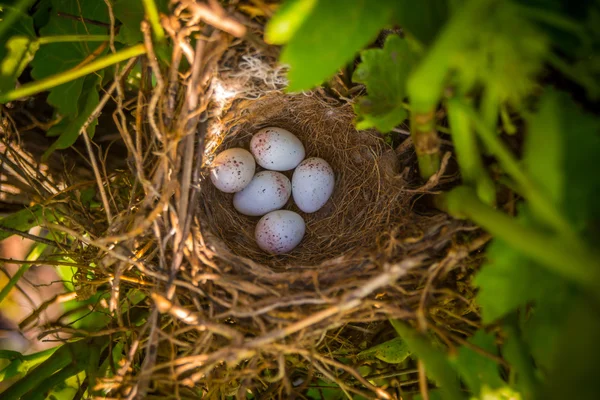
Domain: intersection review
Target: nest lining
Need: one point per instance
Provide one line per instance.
(368, 199)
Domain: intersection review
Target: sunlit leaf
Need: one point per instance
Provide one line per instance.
(330, 36)
(286, 21)
(384, 72)
(393, 351)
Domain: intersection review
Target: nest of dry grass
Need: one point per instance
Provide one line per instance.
(219, 316)
(368, 200)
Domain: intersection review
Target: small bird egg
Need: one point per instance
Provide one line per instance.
(312, 184)
(268, 191)
(279, 231)
(232, 170)
(276, 149)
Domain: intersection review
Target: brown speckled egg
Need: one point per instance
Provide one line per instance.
(268, 191)
(312, 184)
(279, 231)
(232, 170)
(277, 149)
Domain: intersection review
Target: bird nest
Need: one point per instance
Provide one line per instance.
(214, 315)
(368, 202)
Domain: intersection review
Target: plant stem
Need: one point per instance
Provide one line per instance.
(72, 38)
(72, 74)
(426, 85)
(152, 15)
(539, 202)
(468, 154)
(573, 262)
(33, 255)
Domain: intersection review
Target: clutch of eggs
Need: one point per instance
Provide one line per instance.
(264, 194)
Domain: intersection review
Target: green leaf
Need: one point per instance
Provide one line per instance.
(574, 372)
(21, 364)
(393, 351)
(561, 145)
(22, 220)
(384, 72)
(544, 150)
(330, 36)
(286, 21)
(131, 14)
(509, 280)
(20, 52)
(424, 21)
(19, 23)
(476, 369)
(59, 57)
(68, 129)
(437, 364)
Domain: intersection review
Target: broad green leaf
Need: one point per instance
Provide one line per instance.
(475, 369)
(22, 220)
(509, 280)
(286, 21)
(58, 57)
(331, 35)
(393, 351)
(436, 362)
(21, 50)
(131, 14)
(424, 21)
(68, 129)
(561, 145)
(384, 72)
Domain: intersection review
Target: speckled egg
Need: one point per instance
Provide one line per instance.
(268, 191)
(277, 149)
(232, 170)
(312, 184)
(279, 231)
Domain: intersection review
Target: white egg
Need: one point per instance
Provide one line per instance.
(277, 149)
(268, 191)
(232, 170)
(279, 231)
(312, 184)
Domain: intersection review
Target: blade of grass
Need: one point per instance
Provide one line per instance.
(57, 361)
(22, 363)
(33, 255)
(67, 76)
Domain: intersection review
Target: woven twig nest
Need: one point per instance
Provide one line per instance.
(368, 201)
